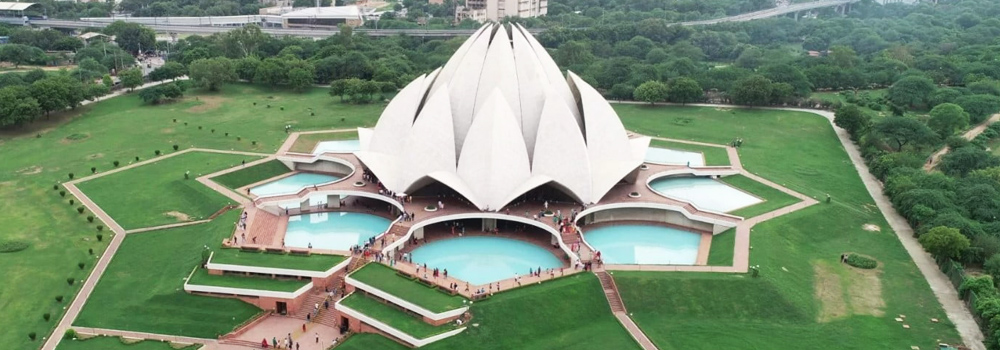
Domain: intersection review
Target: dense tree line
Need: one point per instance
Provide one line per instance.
(25, 97)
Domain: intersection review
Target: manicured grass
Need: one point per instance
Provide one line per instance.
(201, 277)
(142, 289)
(121, 129)
(720, 253)
(253, 174)
(713, 155)
(386, 279)
(147, 195)
(393, 317)
(567, 313)
(115, 343)
(314, 262)
(773, 198)
(370, 341)
(798, 253)
(307, 142)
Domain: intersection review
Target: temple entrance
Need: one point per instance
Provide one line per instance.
(281, 307)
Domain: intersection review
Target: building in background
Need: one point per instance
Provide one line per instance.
(496, 10)
(323, 17)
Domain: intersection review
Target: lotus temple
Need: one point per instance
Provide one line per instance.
(492, 172)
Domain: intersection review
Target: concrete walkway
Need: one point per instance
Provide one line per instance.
(968, 135)
(143, 335)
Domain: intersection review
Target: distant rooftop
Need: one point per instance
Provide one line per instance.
(15, 6)
(325, 12)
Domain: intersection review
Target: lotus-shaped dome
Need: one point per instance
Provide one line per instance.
(498, 120)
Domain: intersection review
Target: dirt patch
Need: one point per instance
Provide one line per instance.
(167, 131)
(720, 109)
(830, 293)
(32, 170)
(96, 156)
(178, 215)
(208, 103)
(865, 292)
(871, 227)
(74, 138)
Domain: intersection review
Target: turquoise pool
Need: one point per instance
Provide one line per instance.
(333, 230)
(292, 184)
(342, 146)
(644, 244)
(482, 260)
(704, 192)
(674, 157)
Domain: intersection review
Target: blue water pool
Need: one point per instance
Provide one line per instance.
(342, 146)
(292, 184)
(674, 157)
(644, 244)
(704, 192)
(481, 260)
(334, 230)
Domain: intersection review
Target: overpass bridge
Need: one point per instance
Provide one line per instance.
(218, 24)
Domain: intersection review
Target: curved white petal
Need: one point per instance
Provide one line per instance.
(553, 73)
(396, 119)
(560, 155)
(430, 146)
(531, 83)
(464, 85)
(494, 161)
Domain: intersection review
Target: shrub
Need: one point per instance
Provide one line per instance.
(137, 158)
(55, 187)
(70, 176)
(282, 108)
(861, 262)
(62, 193)
(176, 147)
(227, 134)
(81, 265)
(253, 143)
(59, 298)
(156, 152)
(72, 202)
(212, 131)
(100, 237)
(80, 209)
(46, 316)
(238, 138)
(187, 176)
(199, 127)
(32, 336)
(70, 280)
(93, 170)
(981, 285)
(70, 334)
(13, 246)
(90, 218)
(185, 123)
(90, 251)
(175, 120)
(100, 227)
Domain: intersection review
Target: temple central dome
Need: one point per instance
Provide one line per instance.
(498, 120)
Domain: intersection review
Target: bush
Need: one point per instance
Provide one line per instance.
(90, 218)
(46, 316)
(80, 209)
(70, 176)
(100, 228)
(137, 158)
(81, 265)
(212, 131)
(13, 246)
(62, 193)
(115, 163)
(59, 298)
(100, 237)
(70, 334)
(156, 152)
(55, 187)
(861, 262)
(90, 251)
(72, 202)
(253, 143)
(199, 127)
(32, 336)
(239, 138)
(93, 170)
(981, 285)
(70, 280)
(176, 147)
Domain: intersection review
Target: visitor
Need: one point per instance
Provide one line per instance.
(546, 204)
(244, 162)
(317, 338)
(445, 273)
(263, 343)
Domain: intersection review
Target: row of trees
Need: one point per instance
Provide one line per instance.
(23, 103)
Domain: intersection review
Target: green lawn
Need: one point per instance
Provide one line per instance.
(115, 343)
(307, 142)
(253, 174)
(773, 198)
(314, 262)
(143, 287)
(720, 253)
(386, 279)
(201, 277)
(120, 128)
(393, 317)
(567, 313)
(370, 341)
(158, 194)
(713, 155)
(804, 296)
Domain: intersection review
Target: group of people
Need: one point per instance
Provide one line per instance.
(285, 342)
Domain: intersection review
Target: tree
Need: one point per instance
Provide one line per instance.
(684, 90)
(156, 94)
(169, 70)
(271, 72)
(245, 41)
(785, 73)
(131, 36)
(962, 161)
(131, 78)
(573, 53)
(651, 91)
(300, 79)
(621, 92)
(843, 56)
(17, 106)
(979, 107)
(339, 88)
(851, 118)
(944, 242)
(901, 131)
(106, 80)
(212, 72)
(93, 91)
(947, 118)
(754, 90)
(19, 54)
(911, 91)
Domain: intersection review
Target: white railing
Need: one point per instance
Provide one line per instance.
(275, 270)
(406, 304)
(393, 331)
